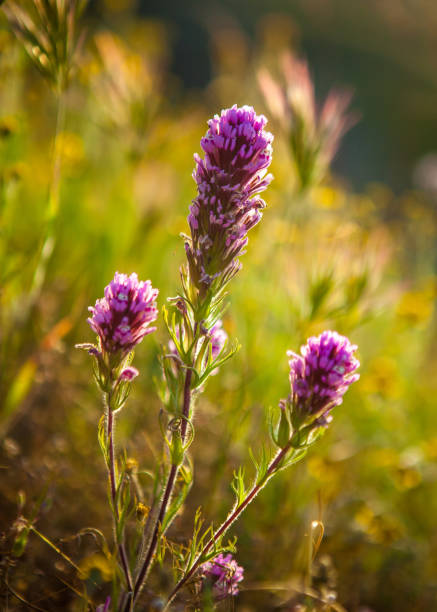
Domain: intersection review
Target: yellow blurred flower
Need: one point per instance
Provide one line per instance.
(327, 473)
(328, 197)
(381, 528)
(415, 307)
(382, 377)
(142, 512)
(9, 126)
(407, 478)
(430, 449)
(70, 147)
(98, 561)
(131, 465)
(384, 457)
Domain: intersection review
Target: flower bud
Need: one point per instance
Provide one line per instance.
(128, 374)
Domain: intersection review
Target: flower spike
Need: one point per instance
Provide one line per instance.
(121, 319)
(229, 179)
(321, 375)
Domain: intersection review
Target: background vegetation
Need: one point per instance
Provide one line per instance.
(353, 254)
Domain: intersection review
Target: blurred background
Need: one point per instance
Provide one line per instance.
(96, 146)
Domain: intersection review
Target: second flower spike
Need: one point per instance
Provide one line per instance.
(121, 319)
(320, 376)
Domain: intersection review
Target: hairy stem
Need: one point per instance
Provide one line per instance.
(113, 486)
(233, 516)
(166, 498)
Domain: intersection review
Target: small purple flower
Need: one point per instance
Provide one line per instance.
(321, 376)
(128, 374)
(225, 574)
(218, 339)
(122, 318)
(233, 172)
(104, 607)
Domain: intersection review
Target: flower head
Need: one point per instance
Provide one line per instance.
(224, 573)
(121, 319)
(321, 375)
(229, 178)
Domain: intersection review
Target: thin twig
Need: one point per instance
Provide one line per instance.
(233, 516)
(20, 598)
(113, 487)
(168, 491)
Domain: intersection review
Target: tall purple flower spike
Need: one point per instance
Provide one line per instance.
(225, 574)
(121, 319)
(233, 172)
(321, 375)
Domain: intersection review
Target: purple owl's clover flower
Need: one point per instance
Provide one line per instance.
(224, 573)
(218, 338)
(229, 178)
(320, 376)
(121, 319)
(128, 374)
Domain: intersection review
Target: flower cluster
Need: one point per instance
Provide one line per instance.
(321, 375)
(121, 319)
(314, 136)
(224, 573)
(233, 172)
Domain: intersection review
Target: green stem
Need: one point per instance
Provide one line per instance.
(166, 498)
(113, 487)
(52, 208)
(233, 516)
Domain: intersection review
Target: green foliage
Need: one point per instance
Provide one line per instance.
(361, 263)
(48, 32)
(238, 486)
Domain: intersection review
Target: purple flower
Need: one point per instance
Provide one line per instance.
(104, 607)
(224, 573)
(218, 339)
(121, 319)
(128, 374)
(229, 178)
(321, 376)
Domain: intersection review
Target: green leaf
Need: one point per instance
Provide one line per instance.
(101, 435)
(20, 542)
(262, 464)
(295, 457)
(238, 485)
(217, 363)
